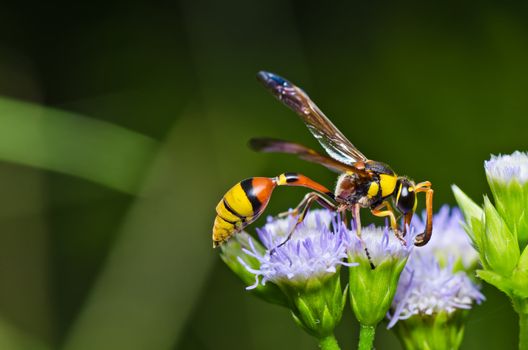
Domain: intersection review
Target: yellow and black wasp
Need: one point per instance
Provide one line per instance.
(361, 183)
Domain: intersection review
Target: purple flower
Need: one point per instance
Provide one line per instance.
(316, 249)
(432, 281)
(426, 288)
(381, 244)
(449, 240)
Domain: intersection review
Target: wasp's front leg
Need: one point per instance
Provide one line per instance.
(425, 236)
(389, 211)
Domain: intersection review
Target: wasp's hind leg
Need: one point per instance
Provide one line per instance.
(302, 209)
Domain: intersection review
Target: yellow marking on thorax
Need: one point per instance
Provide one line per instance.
(388, 184)
(237, 199)
(373, 189)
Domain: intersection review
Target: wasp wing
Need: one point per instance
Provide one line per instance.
(265, 144)
(333, 141)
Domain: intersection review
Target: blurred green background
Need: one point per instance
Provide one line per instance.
(123, 123)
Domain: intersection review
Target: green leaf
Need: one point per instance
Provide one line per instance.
(469, 208)
(306, 314)
(499, 245)
(162, 258)
(69, 143)
(523, 260)
(520, 276)
(13, 338)
(496, 280)
(328, 321)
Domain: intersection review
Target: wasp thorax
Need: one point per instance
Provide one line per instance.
(405, 197)
(345, 187)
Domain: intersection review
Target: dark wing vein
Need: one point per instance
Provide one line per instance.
(280, 146)
(333, 141)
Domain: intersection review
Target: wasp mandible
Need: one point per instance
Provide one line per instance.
(362, 183)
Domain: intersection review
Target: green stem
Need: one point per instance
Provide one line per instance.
(329, 343)
(521, 307)
(523, 331)
(366, 337)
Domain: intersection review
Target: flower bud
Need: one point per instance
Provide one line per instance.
(305, 268)
(442, 331)
(372, 289)
(317, 305)
(430, 305)
(508, 179)
(499, 244)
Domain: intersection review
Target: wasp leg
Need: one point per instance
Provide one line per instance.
(308, 197)
(357, 222)
(302, 210)
(390, 213)
(425, 236)
(357, 218)
(391, 209)
(344, 218)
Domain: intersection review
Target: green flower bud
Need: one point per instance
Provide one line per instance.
(442, 331)
(317, 304)
(499, 243)
(502, 232)
(372, 290)
(306, 269)
(508, 179)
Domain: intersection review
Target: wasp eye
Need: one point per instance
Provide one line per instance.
(406, 198)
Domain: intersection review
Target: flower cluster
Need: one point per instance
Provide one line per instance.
(435, 287)
(314, 250)
(426, 288)
(302, 273)
(449, 241)
(304, 268)
(499, 231)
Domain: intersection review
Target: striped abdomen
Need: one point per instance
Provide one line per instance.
(241, 205)
(245, 201)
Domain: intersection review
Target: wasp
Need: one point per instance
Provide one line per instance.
(362, 183)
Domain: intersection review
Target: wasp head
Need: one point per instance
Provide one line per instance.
(405, 195)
